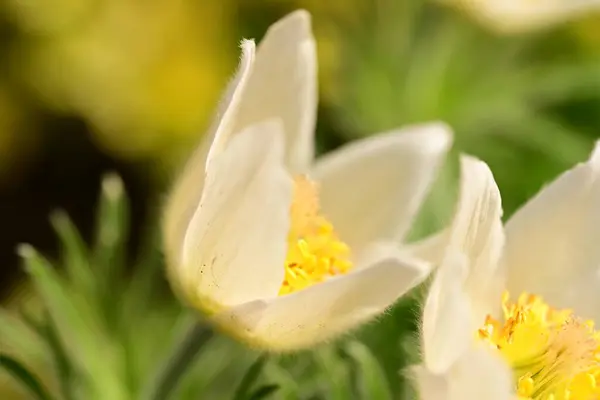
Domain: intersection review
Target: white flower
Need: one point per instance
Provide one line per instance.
(255, 232)
(510, 309)
(518, 16)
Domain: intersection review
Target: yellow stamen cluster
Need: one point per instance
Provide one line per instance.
(314, 251)
(554, 355)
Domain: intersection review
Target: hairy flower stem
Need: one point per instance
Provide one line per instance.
(182, 356)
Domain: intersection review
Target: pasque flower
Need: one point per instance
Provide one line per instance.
(281, 251)
(519, 16)
(510, 311)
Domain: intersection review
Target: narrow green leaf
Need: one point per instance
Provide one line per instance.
(47, 333)
(556, 140)
(18, 336)
(77, 326)
(142, 288)
(75, 256)
(288, 383)
(374, 384)
(263, 392)
(178, 363)
(112, 222)
(112, 227)
(61, 361)
(562, 81)
(22, 374)
(250, 378)
(32, 322)
(334, 371)
(112, 231)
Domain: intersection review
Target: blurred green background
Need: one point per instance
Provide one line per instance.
(93, 86)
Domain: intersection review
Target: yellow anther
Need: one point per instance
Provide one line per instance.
(554, 355)
(314, 251)
(591, 380)
(525, 386)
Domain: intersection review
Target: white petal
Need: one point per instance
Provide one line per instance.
(377, 252)
(448, 327)
(187, 191)
(429, 385)
(371, 189)
(432, 248)
(582, 294)
(480, 374)
(477, 374)
(325, 310)
(284, 85)
(235, 246)
(478, 233)
(552, 241)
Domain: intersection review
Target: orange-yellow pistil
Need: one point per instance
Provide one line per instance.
(554, 355)
(314, 251)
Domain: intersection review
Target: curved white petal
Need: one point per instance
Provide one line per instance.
(429, 386)
(371, 189)
(235, 246)
(480, 374)
(448, 327)
(465, 287)
(477, 232)
(432, 248)
(322, 311)
(552, 242)
(376, 252)
(187, 191)
(582, 294)
(477, 374)
(284, 85)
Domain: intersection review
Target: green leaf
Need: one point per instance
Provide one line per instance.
(111, 227)
(47, 332)
(562, 82)
(263, 392)
(18, 336)
(32, 322)
(140, 293)
(556, 140)
(288, 383)
(334, 371)
(112, 231)
(61, 361)
(178, 363)
(22, 374)
(112, 221)
(373, 381)
(250, 378)
(77, 326)
(75, 256)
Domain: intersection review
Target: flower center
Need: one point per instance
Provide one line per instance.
(315, 253)
(553, 354)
